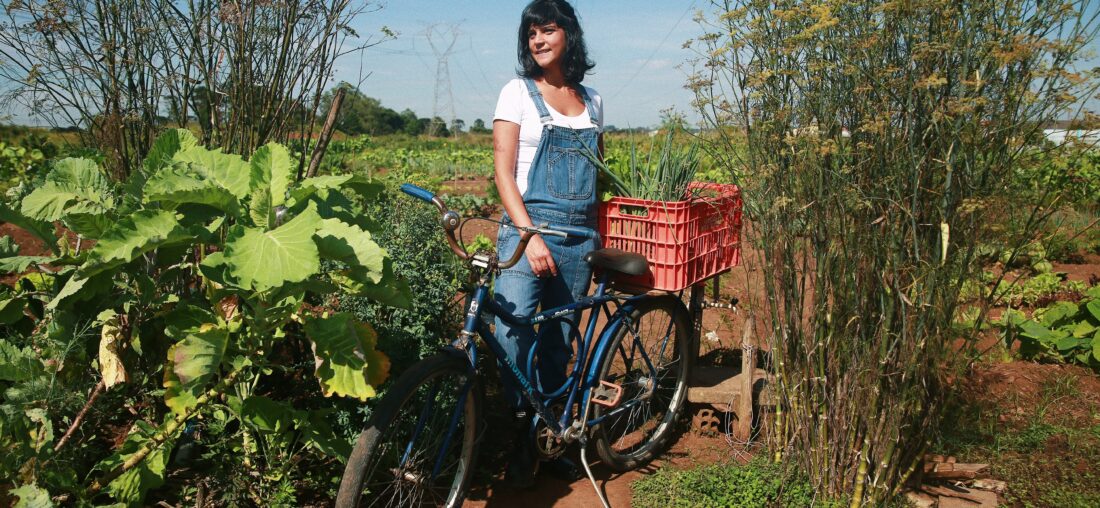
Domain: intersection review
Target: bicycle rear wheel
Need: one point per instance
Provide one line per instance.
(650, 360)
(419, 447)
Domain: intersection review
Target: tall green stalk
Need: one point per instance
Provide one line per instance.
(876, 143)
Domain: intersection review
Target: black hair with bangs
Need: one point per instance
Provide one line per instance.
(575, 63)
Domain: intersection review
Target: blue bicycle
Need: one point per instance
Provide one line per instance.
(624, 392)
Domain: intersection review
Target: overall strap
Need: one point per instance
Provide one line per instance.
(536, 96)
(590, 107)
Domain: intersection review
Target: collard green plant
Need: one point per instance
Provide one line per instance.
(203, 265)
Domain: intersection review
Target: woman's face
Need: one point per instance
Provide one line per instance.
(547, 44)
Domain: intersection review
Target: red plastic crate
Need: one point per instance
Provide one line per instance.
(685, 241)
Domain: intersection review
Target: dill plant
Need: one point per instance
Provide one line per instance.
(876, 142)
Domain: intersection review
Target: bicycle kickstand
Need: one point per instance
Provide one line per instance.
(584, 458)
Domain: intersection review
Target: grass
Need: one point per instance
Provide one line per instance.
(1048, 456)
(757, 483)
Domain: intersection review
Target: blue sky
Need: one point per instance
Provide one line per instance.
(637, 47)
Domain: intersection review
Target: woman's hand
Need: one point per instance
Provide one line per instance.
(538, 255)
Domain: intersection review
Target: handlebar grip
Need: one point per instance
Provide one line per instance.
(577, 231)
(417, 192)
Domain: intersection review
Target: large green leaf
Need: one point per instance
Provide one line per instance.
(72, 186)
(1093, 307)
(11, 310)
(148, 474)
(78, 289)
(391, 290)
(227, 170)
(19, 264)
(268, 259)
(43, 230)
(318, 434)
(32, 496)
(177, 185)
(272, 166)
(192, 364)
(17, 364)
(353, 246)
(1096, 346)
(133, 236)
(267, 415)
(349, 363)
(166, 147)
(310, 186)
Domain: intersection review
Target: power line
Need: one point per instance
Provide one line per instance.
(654, 52)
(444, 97)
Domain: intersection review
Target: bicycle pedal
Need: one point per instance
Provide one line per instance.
(607, 394)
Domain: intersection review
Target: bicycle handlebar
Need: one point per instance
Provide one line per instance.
(451, 220)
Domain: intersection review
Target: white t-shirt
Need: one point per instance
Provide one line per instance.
(515, 105)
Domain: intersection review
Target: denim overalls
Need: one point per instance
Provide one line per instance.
(561, 189)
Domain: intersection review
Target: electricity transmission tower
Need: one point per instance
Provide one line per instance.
(444, 101)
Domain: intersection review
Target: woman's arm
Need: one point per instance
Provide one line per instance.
(505, 153)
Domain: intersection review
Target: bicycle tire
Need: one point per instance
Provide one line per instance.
(624, 441)
(376, 476)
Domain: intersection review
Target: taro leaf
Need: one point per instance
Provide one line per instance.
(353, 246)
(349, 365)
(43, 230)
(227, 170)
(369, 190)
(267, 415)
(166, 147)
(11, 310)
(192, 364)
(179, 185)
(17, 364)
(272, 166)
(187, 317)
(318, 434)
(1053, 315)
(133, 236)
(72, 186)
(214, 267)
(111, 338)
(1065, 344)
(391, 290)
(260, 210)
(1093, 307)
(177, 397)
(1082, 329)
(263, 260)
(148, 474)
(1035, 330)
(32, 496)
(310, 186)
(1096, 346)
(78, 289)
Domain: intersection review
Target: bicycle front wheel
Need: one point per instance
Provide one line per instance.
(419, 447)
(650, 360)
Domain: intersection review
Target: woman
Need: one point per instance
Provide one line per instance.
(545, 124)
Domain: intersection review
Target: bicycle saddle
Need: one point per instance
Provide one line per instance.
(618, 260)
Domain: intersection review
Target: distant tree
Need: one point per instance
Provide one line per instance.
(479, 127)
(411, 124)
(363, 115)
(457, 126)
(438, 127)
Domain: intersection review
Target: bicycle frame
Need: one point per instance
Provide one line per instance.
(585, 374)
